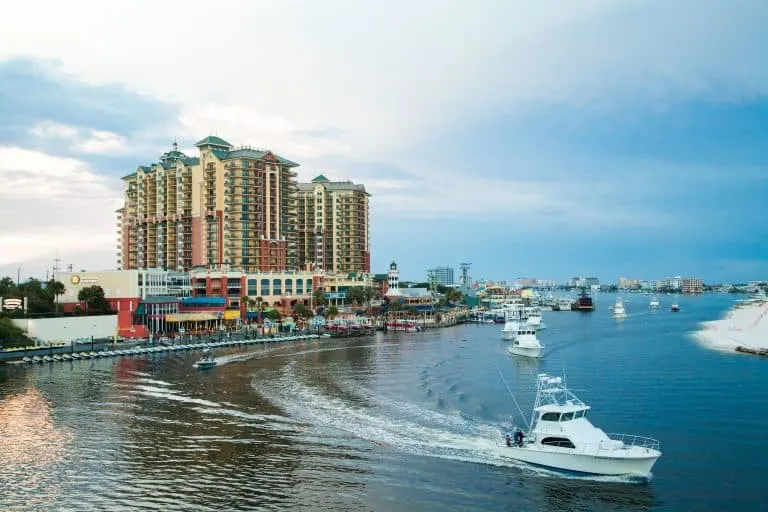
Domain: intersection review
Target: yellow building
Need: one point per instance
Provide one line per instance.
(333, 233)
(225, 208)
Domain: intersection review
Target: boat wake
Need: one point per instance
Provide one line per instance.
(391, 424)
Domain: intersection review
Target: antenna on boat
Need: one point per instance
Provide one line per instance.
(528, 426)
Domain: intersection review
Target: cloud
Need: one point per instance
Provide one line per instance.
(53, 204)
(83, 140)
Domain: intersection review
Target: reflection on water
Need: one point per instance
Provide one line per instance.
(31, 447)
(397, 422)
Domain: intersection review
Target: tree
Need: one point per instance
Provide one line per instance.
(302, 311)
(396, 306)
(7, 287)
(94, 299)
(12, 335)
(55, 288)
(273, 314)
(412, 311)
(318, 297)
(332, 312)
(357, 295)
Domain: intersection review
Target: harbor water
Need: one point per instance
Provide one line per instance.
(389, 422)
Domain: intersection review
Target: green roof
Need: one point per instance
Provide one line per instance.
(213, 140)
(380, 277)
(190, 161)
(319, 179)
(256, 154)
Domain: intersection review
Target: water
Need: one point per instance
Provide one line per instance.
(397, 422)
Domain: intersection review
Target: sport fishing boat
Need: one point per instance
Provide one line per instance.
(206, 361)
(525, 343)
(675, 307)
(562, 438)
(534, 318)
(654, 304)
(509, 332)
(618, 309)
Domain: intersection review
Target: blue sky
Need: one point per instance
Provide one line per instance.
(547, 140)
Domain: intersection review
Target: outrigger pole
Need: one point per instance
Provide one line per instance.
(528, 426)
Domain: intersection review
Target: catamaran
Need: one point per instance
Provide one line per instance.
(561, 437)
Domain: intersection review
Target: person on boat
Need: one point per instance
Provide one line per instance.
(509, 440)
(519, 437)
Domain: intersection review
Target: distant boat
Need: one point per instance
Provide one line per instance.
(618, 309)
(583, 303)
(675, 307)
(654, 304)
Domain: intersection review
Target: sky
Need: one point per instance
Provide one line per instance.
(542, 139)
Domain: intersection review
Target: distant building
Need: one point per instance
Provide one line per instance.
(443, 275)
(527, 282)
(692, 285)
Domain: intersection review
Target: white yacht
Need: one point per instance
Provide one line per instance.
(509, 332)
(618, 309)
(654, 304)
(562, 438)
(534, 318)
(525, 343)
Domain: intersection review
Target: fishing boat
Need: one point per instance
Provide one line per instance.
(525, 343)
(618, 309)
(675, 307)
(561, 438)
(509, 332)
(206, 360)
(654, 304)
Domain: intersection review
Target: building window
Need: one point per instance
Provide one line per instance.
(264, 287)
(252, 290)
(276, 287)
(289, 286)
(299, 286)
(309, 285)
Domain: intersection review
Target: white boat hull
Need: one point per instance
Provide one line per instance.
(619, 315)
(509, 335)
(639, 465)
(524, 351)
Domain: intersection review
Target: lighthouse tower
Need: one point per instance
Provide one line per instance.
(393, 276)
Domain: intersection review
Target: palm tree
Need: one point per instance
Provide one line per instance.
(56, 288)
(332, 312)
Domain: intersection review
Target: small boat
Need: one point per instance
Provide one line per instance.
(675, 307)
(654, 304)
(618, 309)
(206, 360)
(562, 438)
(526, 343)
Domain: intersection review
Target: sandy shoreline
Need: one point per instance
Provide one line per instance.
(743, 326)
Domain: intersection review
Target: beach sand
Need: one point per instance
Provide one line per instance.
(744, 326)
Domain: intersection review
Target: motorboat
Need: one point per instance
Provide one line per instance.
(561, 438)
(654, 304)
(525, 343)
(206, 360)
(563, 305)
(618, 309)
(509, 332)
(675, 307)
(534, 318)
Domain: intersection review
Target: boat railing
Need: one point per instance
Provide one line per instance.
(617, 443)
(639, 441)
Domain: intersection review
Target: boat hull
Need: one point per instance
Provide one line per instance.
(525, 351)
(204, 365)
(584, 464)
